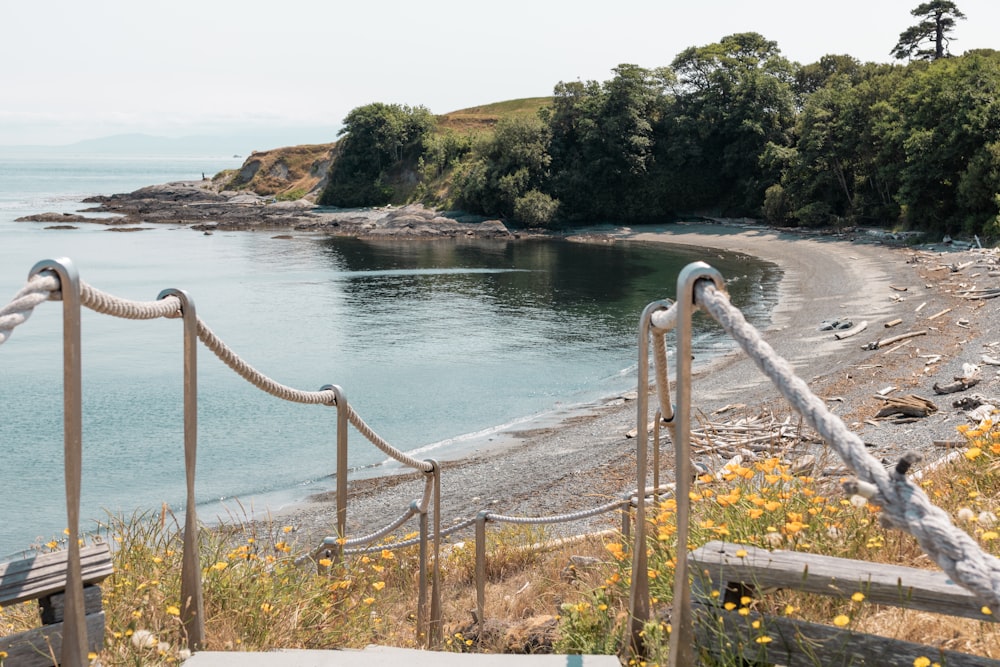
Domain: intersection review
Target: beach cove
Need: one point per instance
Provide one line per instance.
(578, 456)
(587, 459)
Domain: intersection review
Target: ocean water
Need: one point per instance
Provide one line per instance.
(436, 344)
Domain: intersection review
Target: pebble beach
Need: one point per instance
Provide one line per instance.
(587, 458)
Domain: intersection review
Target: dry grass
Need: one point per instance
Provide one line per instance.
(483, 118)
(570, 598)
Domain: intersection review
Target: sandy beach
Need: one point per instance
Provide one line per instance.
(586, 459)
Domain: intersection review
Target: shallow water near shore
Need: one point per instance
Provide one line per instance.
(438, 345)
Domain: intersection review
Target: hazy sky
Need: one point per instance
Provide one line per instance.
(77, 70)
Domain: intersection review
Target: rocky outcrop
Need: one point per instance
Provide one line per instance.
(278, 172)
(198, 205)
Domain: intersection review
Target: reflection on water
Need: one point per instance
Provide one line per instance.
(430, 340)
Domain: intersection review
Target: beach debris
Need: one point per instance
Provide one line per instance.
(898, 289)
(728, 407)
(949, 444)
(980, 294)
(973, 401)
(939, 314)
(850, 332)
(747, 435)
(970, 377)
(920, 307)
(836, 324)
(893, 323)
(894, 339)
(902, 409)
(989, 361)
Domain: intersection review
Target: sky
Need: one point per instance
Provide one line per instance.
(82, 70)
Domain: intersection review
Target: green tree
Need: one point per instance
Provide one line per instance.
(947, 130)
(731, 100)
(929, 39)
(604, 144)
(841, 168)
(509, 173)
(375, 138)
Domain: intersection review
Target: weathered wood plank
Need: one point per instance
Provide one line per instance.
(44, 574)
(52, 608)
(797, 643)
(895, 585)
(35, 648)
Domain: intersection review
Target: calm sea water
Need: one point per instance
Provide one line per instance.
(436, 344)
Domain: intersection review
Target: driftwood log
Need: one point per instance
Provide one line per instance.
(856, 329)
(882, 342)
(910, 405)
(970, 379)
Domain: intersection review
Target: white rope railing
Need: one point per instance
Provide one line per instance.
(904, 504)
(45, 285)
(36, 291)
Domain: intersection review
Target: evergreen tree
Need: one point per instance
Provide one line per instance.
(929, 39)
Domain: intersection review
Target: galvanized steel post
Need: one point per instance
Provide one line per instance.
(74, 645)
(192, 603)
(682, 631)
(639, 590)
(340, 402)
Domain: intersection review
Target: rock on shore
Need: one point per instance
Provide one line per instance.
(197, 205)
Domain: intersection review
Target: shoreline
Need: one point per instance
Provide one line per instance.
(586, 459)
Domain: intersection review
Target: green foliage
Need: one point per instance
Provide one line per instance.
(947, 130)
(535, 209)
(728, 128)
(506, 168)
(733, 98)
(588, 626)
(604, 140)
(928, 40)
(291, 195)
(376, 138)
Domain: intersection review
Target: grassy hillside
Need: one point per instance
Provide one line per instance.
(485, 117)
(294, 172)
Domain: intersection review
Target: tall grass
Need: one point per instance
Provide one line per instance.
(765, 505)
(257, 598)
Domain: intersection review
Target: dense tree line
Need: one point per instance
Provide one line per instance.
(731, 128)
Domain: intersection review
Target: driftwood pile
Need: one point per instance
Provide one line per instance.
(742, 435)
(905, 409)
(748, 433)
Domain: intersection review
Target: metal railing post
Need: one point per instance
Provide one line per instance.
(481, 520)
(74, 645)
(639, 589)
(340, 402)
(422, 577)
(682, 629)
(192, 601)
(434, 634)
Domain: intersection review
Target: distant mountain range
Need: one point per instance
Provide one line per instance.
(237, 144)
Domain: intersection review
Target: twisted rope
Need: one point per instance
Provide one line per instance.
(905, 506)
(45, 285)
(559, 518)
(107, 304)
(450, 530)
(39, 288)
(378, 534)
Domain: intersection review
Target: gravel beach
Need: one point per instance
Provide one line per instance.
(586, 458)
